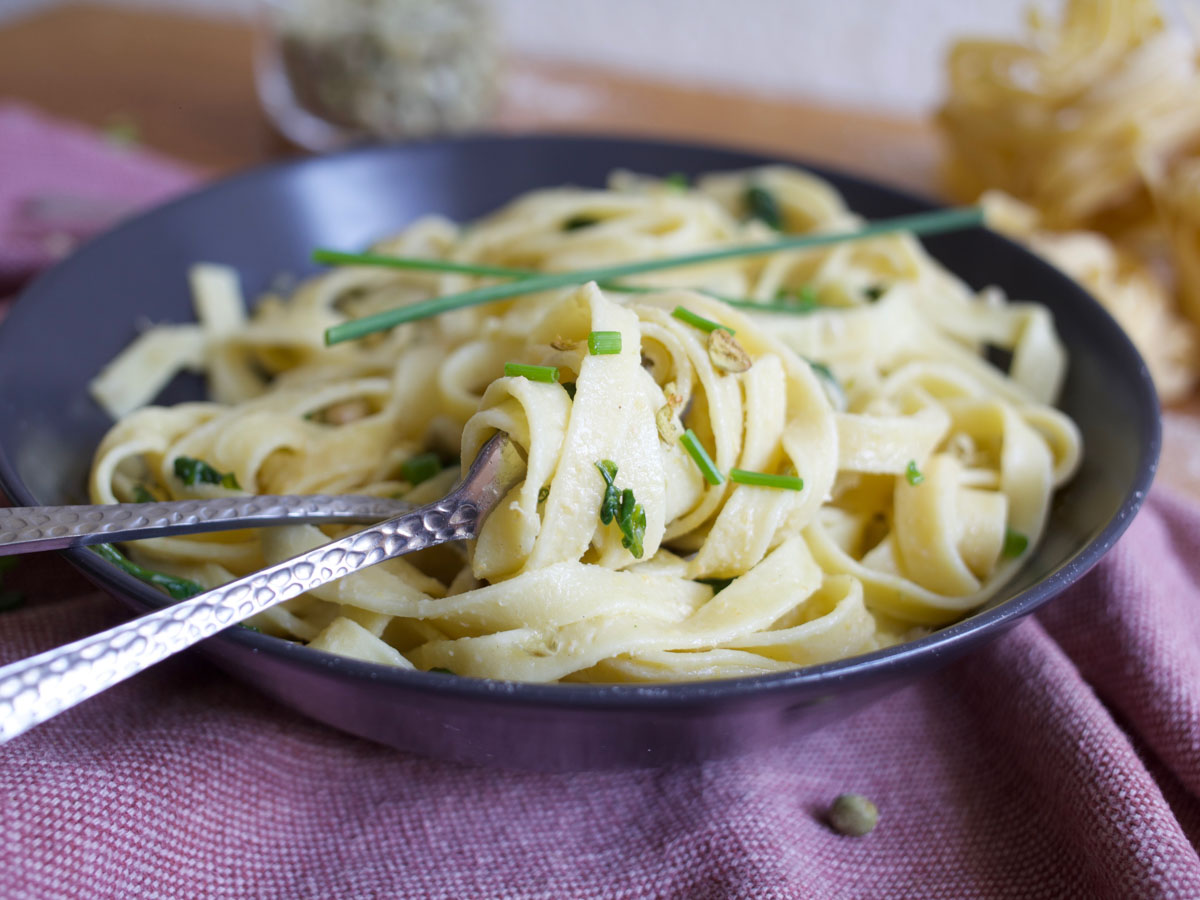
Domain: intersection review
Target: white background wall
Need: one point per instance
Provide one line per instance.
(872, 54)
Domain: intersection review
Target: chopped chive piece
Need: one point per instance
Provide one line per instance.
(420, 468)
(767, 307)
(196, 471)
(677, 181)
(632, 522)
(803, 301)
(604, 343)
(178, 588)
(763, 206)
(581, 221)
(610, 504)
(416, 263)
(621, 506)
(141, 495)
(544, 494)
(1015, 543)
(569, 387)
(700, 456)
(717, 584)
(440, 671)
(874, 292)
(913, 474)
(686, 315)
(936, 222)
(833, 388)
(824, 371)
(762, 479)
(547, 374)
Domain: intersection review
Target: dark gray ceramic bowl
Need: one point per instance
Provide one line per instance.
(77, 316)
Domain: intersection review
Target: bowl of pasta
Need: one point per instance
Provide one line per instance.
(784, 451)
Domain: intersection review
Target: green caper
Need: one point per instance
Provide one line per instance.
(853, 814)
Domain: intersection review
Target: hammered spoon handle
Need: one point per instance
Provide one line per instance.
(35, 689)
(25, 529)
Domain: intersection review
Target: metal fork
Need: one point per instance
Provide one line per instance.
(25, 529)
(34, 689)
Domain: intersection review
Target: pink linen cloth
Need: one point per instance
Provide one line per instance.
(1062, 760)
(59, 184)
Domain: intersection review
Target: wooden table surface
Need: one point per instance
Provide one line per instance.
(188, 85)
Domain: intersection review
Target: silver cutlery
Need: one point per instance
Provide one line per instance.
(35, 689)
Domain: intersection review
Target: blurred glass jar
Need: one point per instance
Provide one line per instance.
(334, 71)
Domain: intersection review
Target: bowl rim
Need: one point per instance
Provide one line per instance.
(948, 642)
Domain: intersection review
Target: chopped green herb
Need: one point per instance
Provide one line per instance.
(611, 502)
(1015, 543)
(141, 495)
(249, 627)
(544, 494)
(686, 315)
(874, 292)
(824, 371)
(604, 343)
(569, 387)
(913, 474)
(763, 206)
(178, 588)
(803, 301)
(833, 388)
(703, 461)
(339, 258)
(440, 671)
(547, 374)
(196, 471)
(580, 221)
(623, 507)
(526, 282)
(763, 306)
(762, 479)
(677, 181)
(717, 584)
(420, 468)
(632, 522)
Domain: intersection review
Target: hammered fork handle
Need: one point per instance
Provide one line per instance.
(34, 689)
(24, 529)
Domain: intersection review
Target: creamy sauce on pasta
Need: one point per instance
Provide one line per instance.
(927, 472)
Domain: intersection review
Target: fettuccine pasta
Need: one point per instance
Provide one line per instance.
(906, 475)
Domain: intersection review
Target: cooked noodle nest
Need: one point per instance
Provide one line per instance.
(921, 461)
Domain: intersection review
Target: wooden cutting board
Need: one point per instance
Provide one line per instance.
(188, 86)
